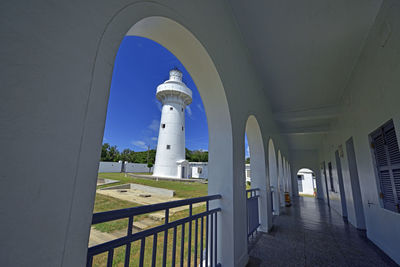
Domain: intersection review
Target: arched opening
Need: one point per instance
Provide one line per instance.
(306, 182)
(190, 52)
(142, 120)
(258, 172)
(273, 177)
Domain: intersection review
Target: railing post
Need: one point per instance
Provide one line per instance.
(166, 220)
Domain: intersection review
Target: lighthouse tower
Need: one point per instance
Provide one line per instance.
(170, 158)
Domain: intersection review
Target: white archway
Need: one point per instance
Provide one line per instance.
(273, 176)
(259, 178)
(184, 45)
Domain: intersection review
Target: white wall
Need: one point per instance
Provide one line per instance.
(137, 167)
(371, 98)
(306, 183)
(247, 172)
(195, 166)
(57, 63)
(105, 166)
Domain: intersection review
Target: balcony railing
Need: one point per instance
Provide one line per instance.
(207, 255)
(253, 221)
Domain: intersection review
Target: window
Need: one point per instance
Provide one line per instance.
(199, 170)
(300, 177)
(163, 125)
(182, 109)
(330, 176)
(182, 128)
(387, 163)
(168, 146)
(171, 108)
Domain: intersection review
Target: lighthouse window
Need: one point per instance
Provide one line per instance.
(182, 109)
(171, 108)
(163, 125)
(168, 146)
(182, 128)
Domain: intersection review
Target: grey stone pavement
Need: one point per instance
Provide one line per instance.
(311, 234)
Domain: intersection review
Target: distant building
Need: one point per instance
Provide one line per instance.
(198, 170)
(306, 181)
(247, 173)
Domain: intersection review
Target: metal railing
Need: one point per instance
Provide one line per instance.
(253, 221)
(207, 218)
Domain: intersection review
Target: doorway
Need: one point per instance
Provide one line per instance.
(341, 185)
(355, 185)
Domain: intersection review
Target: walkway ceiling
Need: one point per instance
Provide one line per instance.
(305, 52)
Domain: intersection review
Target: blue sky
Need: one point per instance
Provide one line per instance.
(133, 114)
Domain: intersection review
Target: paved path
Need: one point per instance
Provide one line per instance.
(310, 234)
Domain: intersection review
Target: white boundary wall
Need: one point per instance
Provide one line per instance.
(137, 167)
(106, 166)
(110, 166)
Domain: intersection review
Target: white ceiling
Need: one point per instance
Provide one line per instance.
(305, 51)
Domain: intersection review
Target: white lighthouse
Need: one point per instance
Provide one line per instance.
(170, 158)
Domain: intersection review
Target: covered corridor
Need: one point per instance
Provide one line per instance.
(311, 234)
(314, 84)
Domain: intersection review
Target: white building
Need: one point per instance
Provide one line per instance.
(315, 82)
(198, 170)
(170, 157)
(247, 173)
(305, 182)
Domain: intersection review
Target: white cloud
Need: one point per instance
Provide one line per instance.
(139, 144)
(189, 111)
(154, 138)
(154, 125)
(248, 151)
(200, 107)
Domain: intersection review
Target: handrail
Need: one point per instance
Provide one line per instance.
(134, 211)
(205, 220)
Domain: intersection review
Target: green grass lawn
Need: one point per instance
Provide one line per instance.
(107, 203)
(306, 195)
(182, 189)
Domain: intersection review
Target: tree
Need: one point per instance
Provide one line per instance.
(196, 155)
(109, 153)
(149, 165)
(247, 161)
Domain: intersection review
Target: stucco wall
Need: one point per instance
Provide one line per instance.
(56, 60)
(110, 166)
(371, 99)
(137, 167)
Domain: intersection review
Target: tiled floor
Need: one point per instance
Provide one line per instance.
(310, 234)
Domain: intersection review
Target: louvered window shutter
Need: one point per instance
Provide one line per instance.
(387, 157)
